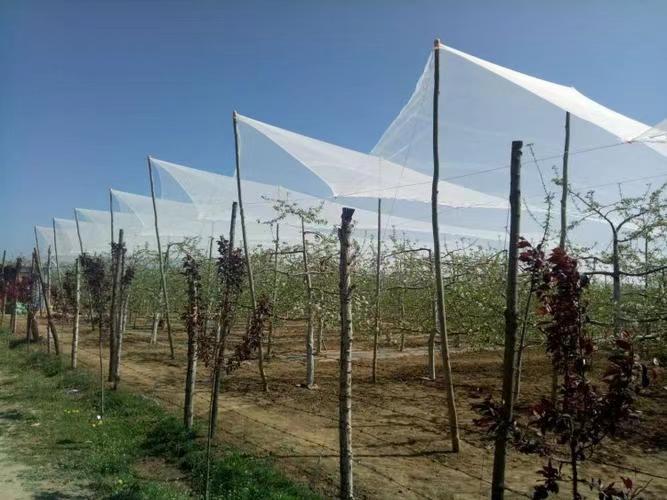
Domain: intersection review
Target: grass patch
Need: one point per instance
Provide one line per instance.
(55, 417)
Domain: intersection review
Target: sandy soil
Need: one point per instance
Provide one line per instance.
(400, 436)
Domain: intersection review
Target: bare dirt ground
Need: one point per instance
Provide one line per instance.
(400, 436)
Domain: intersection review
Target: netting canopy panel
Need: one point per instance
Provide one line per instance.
(484, 107)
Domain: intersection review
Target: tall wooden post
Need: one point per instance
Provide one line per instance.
(3, 287)
(48, 292)
(111, 215)
(39, 263)
(52, 326)
(563, 224)
(345, 376)
(13, 319)
(442, 322)
(163, 278)
(376, 332)
(564, 180)
(55, 250)
(511, 326)
(77, 309)
(310, 347)
(118, 262)
(251, 280)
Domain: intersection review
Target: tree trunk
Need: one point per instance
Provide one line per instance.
(310, 351)
(154, 327)
(190, 375)
(376, 330)
(442, 322)
(616, 277)
(274, 295)
(116, 276)
(345, 377)
(511, 324)
(225, 328)
(251, 280)
(77, 310)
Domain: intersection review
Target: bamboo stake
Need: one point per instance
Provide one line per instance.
(376, 333)
(511, 326)
(345, 376)
(442, 322)
(251, 281)
(163, 278)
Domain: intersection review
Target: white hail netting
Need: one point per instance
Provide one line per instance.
(66, 240)
(212, 195)
(44, 241)
(483, 107)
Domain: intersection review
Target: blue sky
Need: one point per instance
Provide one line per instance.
(89, 88)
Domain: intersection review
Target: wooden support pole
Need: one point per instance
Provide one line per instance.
(3, 289)
(563, 224)
(55, 249)
(13, 321)
(163, 278)
(251, 280)
(111, 215)
(52, 326)
(77, 309)
(117, 269)
(442, 322)
(345, 375)
(376, 332)
(310, 348)
(48, 293)
(511, 326)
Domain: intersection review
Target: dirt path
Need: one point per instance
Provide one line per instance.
(19, 481)
(400, 435)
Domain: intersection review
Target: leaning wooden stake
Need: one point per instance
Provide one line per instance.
(310, 338)
(77, 310)
(511, 326)
(163, 278)
(345, 377)
(442, 322)
(376, 332)
(251, 281)
(52, 326)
